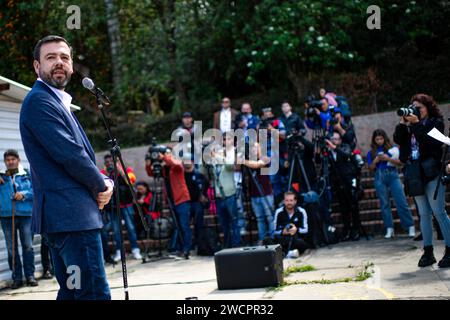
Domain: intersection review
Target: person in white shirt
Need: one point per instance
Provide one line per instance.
(224, 119)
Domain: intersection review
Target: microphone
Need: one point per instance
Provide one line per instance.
(96, 91)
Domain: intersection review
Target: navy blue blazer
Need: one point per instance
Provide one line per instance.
(65, 179)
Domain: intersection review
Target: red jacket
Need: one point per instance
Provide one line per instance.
(180, 191)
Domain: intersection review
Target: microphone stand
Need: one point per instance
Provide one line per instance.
(116, 154)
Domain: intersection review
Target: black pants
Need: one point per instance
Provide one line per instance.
(46, 258)
(292, 242)
(348, 204)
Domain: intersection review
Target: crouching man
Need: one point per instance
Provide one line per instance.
(291, 226)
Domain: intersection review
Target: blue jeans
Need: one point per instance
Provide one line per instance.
(78, 262)
(108, 218)
(23, 225)
(127, 214)
(197, 212)
(279, 184)
(388, 180)
(228, 219)
(240, 211)
(264, 215)
(428, 206)
(183, 212)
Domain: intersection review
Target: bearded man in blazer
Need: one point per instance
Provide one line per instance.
(69, 190)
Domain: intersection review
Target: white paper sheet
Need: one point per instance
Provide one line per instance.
(436, 134)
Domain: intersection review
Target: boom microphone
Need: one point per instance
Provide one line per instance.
(96, 91)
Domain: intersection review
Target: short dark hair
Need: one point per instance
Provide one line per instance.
(290, 193)
(107, 156)
(47, 39)
(11, 153)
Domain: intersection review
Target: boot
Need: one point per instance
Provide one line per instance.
(445, 261)
(427, 258)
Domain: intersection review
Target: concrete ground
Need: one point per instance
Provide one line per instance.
(392, 265)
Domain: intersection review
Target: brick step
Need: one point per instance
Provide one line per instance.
(249, 237)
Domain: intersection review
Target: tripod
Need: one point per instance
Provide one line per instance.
(215, 182)
(117, 155)
(157, 206)
(297, 159)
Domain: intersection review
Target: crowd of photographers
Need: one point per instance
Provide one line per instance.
(311, 172)
(291, 207)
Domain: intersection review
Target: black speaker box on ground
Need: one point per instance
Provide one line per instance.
(249, 267)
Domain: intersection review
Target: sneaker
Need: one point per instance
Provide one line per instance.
(116, 257)
(389, 233)
(16, 285)
(136, 254)
(47, 275)
(293, 254)
(412, 232)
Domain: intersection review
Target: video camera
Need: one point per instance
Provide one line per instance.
(409, 110)
(312, 105)
(153, 155)
(294, 138)
(264, 124)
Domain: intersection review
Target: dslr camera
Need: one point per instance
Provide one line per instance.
(409, 110)
(311, 105)
(153, 155)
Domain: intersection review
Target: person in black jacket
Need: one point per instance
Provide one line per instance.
(343, 176)
(416, 145)
(291, 226)
(345, 129)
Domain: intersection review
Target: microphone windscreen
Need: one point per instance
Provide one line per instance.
(88, 83)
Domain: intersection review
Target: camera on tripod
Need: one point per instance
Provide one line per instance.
(153, 155)
(408, 111)
(294, 138)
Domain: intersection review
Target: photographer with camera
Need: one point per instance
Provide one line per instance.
(344, 181)
(189, 129)
(291, 226)
(221, 172)
(345, 128)
(422, 156)
(126, 207)
(160, 162)
(318, 114)
(251, 121)
(271, 123)
(197, 186)
(260, 192)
